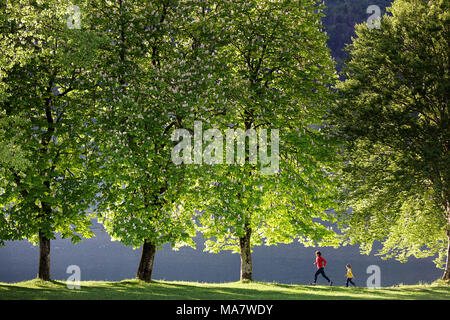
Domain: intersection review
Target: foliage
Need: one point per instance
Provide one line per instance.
(154, 81)
(44, 174)
(393, 112)
(278, 68)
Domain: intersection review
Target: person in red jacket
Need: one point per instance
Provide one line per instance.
(321, 263)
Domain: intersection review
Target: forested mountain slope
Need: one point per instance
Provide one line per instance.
(341, 17)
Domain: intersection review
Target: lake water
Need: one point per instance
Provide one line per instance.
(102, 259)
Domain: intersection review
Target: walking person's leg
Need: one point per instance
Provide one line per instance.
(316, 275)
(351, 281)
(325, 276)
(322, 271)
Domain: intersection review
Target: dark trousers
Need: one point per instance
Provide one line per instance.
(322, 272)
(351, 281)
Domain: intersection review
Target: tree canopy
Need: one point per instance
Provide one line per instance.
(46, 183)
(278, 66)
(392, 111)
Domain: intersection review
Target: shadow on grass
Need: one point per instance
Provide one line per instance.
(161, 290)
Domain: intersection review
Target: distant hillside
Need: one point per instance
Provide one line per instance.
(340, 20)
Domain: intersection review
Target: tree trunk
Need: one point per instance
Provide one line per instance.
(246, 256)
(44, 257)
(446, 275)
(146, 264)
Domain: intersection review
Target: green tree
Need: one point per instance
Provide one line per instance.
(393, 113)
(44, 173)
(155, 76)
(278, 68)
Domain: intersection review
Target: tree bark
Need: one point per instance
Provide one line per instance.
(246, 256)
(44, 257)
(446, 275)
(146, 264)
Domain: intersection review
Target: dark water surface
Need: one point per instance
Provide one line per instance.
(102, 259)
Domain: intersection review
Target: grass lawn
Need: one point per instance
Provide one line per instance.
(167, 290)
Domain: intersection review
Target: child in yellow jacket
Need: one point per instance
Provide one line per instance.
(349, 275)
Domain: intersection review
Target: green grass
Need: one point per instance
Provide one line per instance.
(162, 290)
